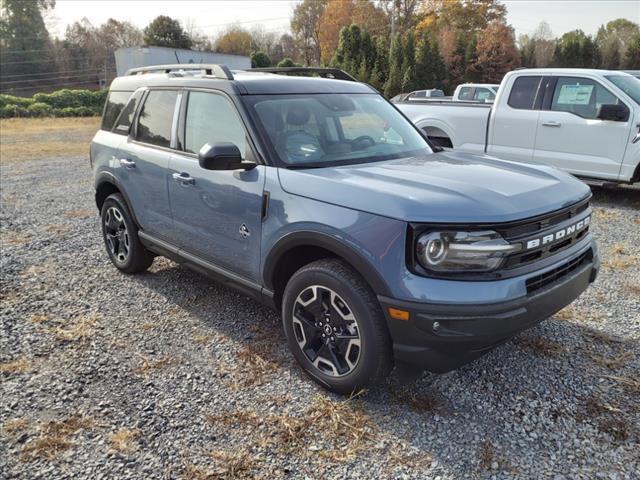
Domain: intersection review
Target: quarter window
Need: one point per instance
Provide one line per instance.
(126, 116)
(211, 118)
(113, 106)
(523, 93)
(156, 118)
(483, 94)
(581, 96)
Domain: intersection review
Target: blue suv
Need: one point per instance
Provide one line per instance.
(309, 191)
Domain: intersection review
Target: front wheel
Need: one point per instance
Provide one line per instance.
(335, 327)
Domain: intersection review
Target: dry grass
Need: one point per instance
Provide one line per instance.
(123, 440)
(612, 363)
(57, 229)
(632, 385)
(19, 365)
(634, 289)
(149, 365)
(486, 454)
(79, 213)
(417, 402)
(541, 346)
(55, 437)
(567, 313)
(602, 213)
(15, 425)
(42, 138)
(40, 319)
(15, 238)
(251, 370)
(621, 262)
(80, 329)
(236, 463)
(203, 339)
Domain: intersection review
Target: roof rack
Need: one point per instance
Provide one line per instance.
(335, 73)
(219, 71)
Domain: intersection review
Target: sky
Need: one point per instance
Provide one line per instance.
(211, 17)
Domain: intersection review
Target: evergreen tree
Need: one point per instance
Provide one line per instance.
(260, 59)
(424, 71)
(471, 61)
(631, 58)
(396, 56)
(24, 37)
(380, 69)
(164, 31)
(409, 63)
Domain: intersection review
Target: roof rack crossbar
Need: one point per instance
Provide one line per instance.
(335, 73)
(218, 71)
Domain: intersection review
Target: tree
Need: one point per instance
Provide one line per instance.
(613, 39)
(466, 16)
(380, 70)
(631, 58)
(497, 53)
(544, 45)
(343, 13)
(393, 84)
(24, 37)
(577, 50)
(164, 31)
(260, 59)
(305, 25)
(235, 41)
(287, 62)
(401, 14)
(408, 63)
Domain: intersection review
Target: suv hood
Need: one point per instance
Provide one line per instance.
(444, 187)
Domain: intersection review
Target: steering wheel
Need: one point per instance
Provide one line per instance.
(362, 142)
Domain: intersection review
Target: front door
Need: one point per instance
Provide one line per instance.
(570, 136)
(216, 214)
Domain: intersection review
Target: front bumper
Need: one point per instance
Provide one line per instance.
(440, 338)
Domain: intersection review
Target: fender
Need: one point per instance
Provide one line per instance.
(327, 242)
(108, 177)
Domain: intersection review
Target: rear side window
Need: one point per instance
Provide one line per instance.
(113, 106)
(465, 93)
(123, 124)
(156, 118)
(211, 118)
(483, 94)
(523, 93)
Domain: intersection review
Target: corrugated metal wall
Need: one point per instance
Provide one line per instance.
(133, 57)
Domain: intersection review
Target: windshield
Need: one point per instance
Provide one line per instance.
(628, 84)
(316, 130)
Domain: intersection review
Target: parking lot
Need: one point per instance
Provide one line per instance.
(169, 375)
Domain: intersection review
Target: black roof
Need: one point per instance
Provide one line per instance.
(243, 83)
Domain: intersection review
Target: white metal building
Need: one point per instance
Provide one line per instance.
(143, 56)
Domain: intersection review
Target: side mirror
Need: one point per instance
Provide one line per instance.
(613, 112)
(222, 156)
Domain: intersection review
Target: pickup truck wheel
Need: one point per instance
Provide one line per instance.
(120, 235)
(335, 327)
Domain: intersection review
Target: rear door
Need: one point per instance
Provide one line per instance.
(144, 162)
(217, 214)
(570, 136)
(514, 120)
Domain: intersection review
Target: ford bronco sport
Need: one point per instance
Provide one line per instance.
(315, 195)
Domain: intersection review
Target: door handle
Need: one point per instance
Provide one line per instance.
(636, 139)
(126, 163)
(551, 123)
(184, 178)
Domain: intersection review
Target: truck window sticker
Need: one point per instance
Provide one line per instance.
(575, 94)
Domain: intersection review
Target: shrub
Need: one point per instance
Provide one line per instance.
(39, 109)
(12, 100)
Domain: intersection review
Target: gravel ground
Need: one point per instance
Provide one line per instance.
(168, 375)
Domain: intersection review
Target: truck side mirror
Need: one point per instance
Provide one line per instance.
(222, 156)
(613, 112)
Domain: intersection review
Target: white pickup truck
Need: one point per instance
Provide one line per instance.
(586, 122)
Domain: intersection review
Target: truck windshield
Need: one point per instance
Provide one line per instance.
(317, 130)
(628, 84)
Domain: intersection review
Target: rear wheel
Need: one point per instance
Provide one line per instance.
(120, 235)
(335, 327)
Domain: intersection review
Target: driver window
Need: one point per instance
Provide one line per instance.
(211, 118)
(580, 96)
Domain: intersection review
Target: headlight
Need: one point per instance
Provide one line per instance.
(462, 251)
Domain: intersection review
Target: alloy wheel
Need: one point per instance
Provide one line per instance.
(326, 331)
(116, 234)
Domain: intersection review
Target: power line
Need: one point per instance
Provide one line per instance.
(51, 73)
(47, 86)
(96, 73)
(55, 60)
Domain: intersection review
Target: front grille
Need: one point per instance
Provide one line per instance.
(547, 278)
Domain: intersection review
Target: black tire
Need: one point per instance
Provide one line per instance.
(358, 364)
(120, 235)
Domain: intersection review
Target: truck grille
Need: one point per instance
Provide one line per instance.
(540, 281)
(539, 227)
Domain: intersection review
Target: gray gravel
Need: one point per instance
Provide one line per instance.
(168, 375)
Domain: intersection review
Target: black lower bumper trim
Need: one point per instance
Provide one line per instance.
(441, 338)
